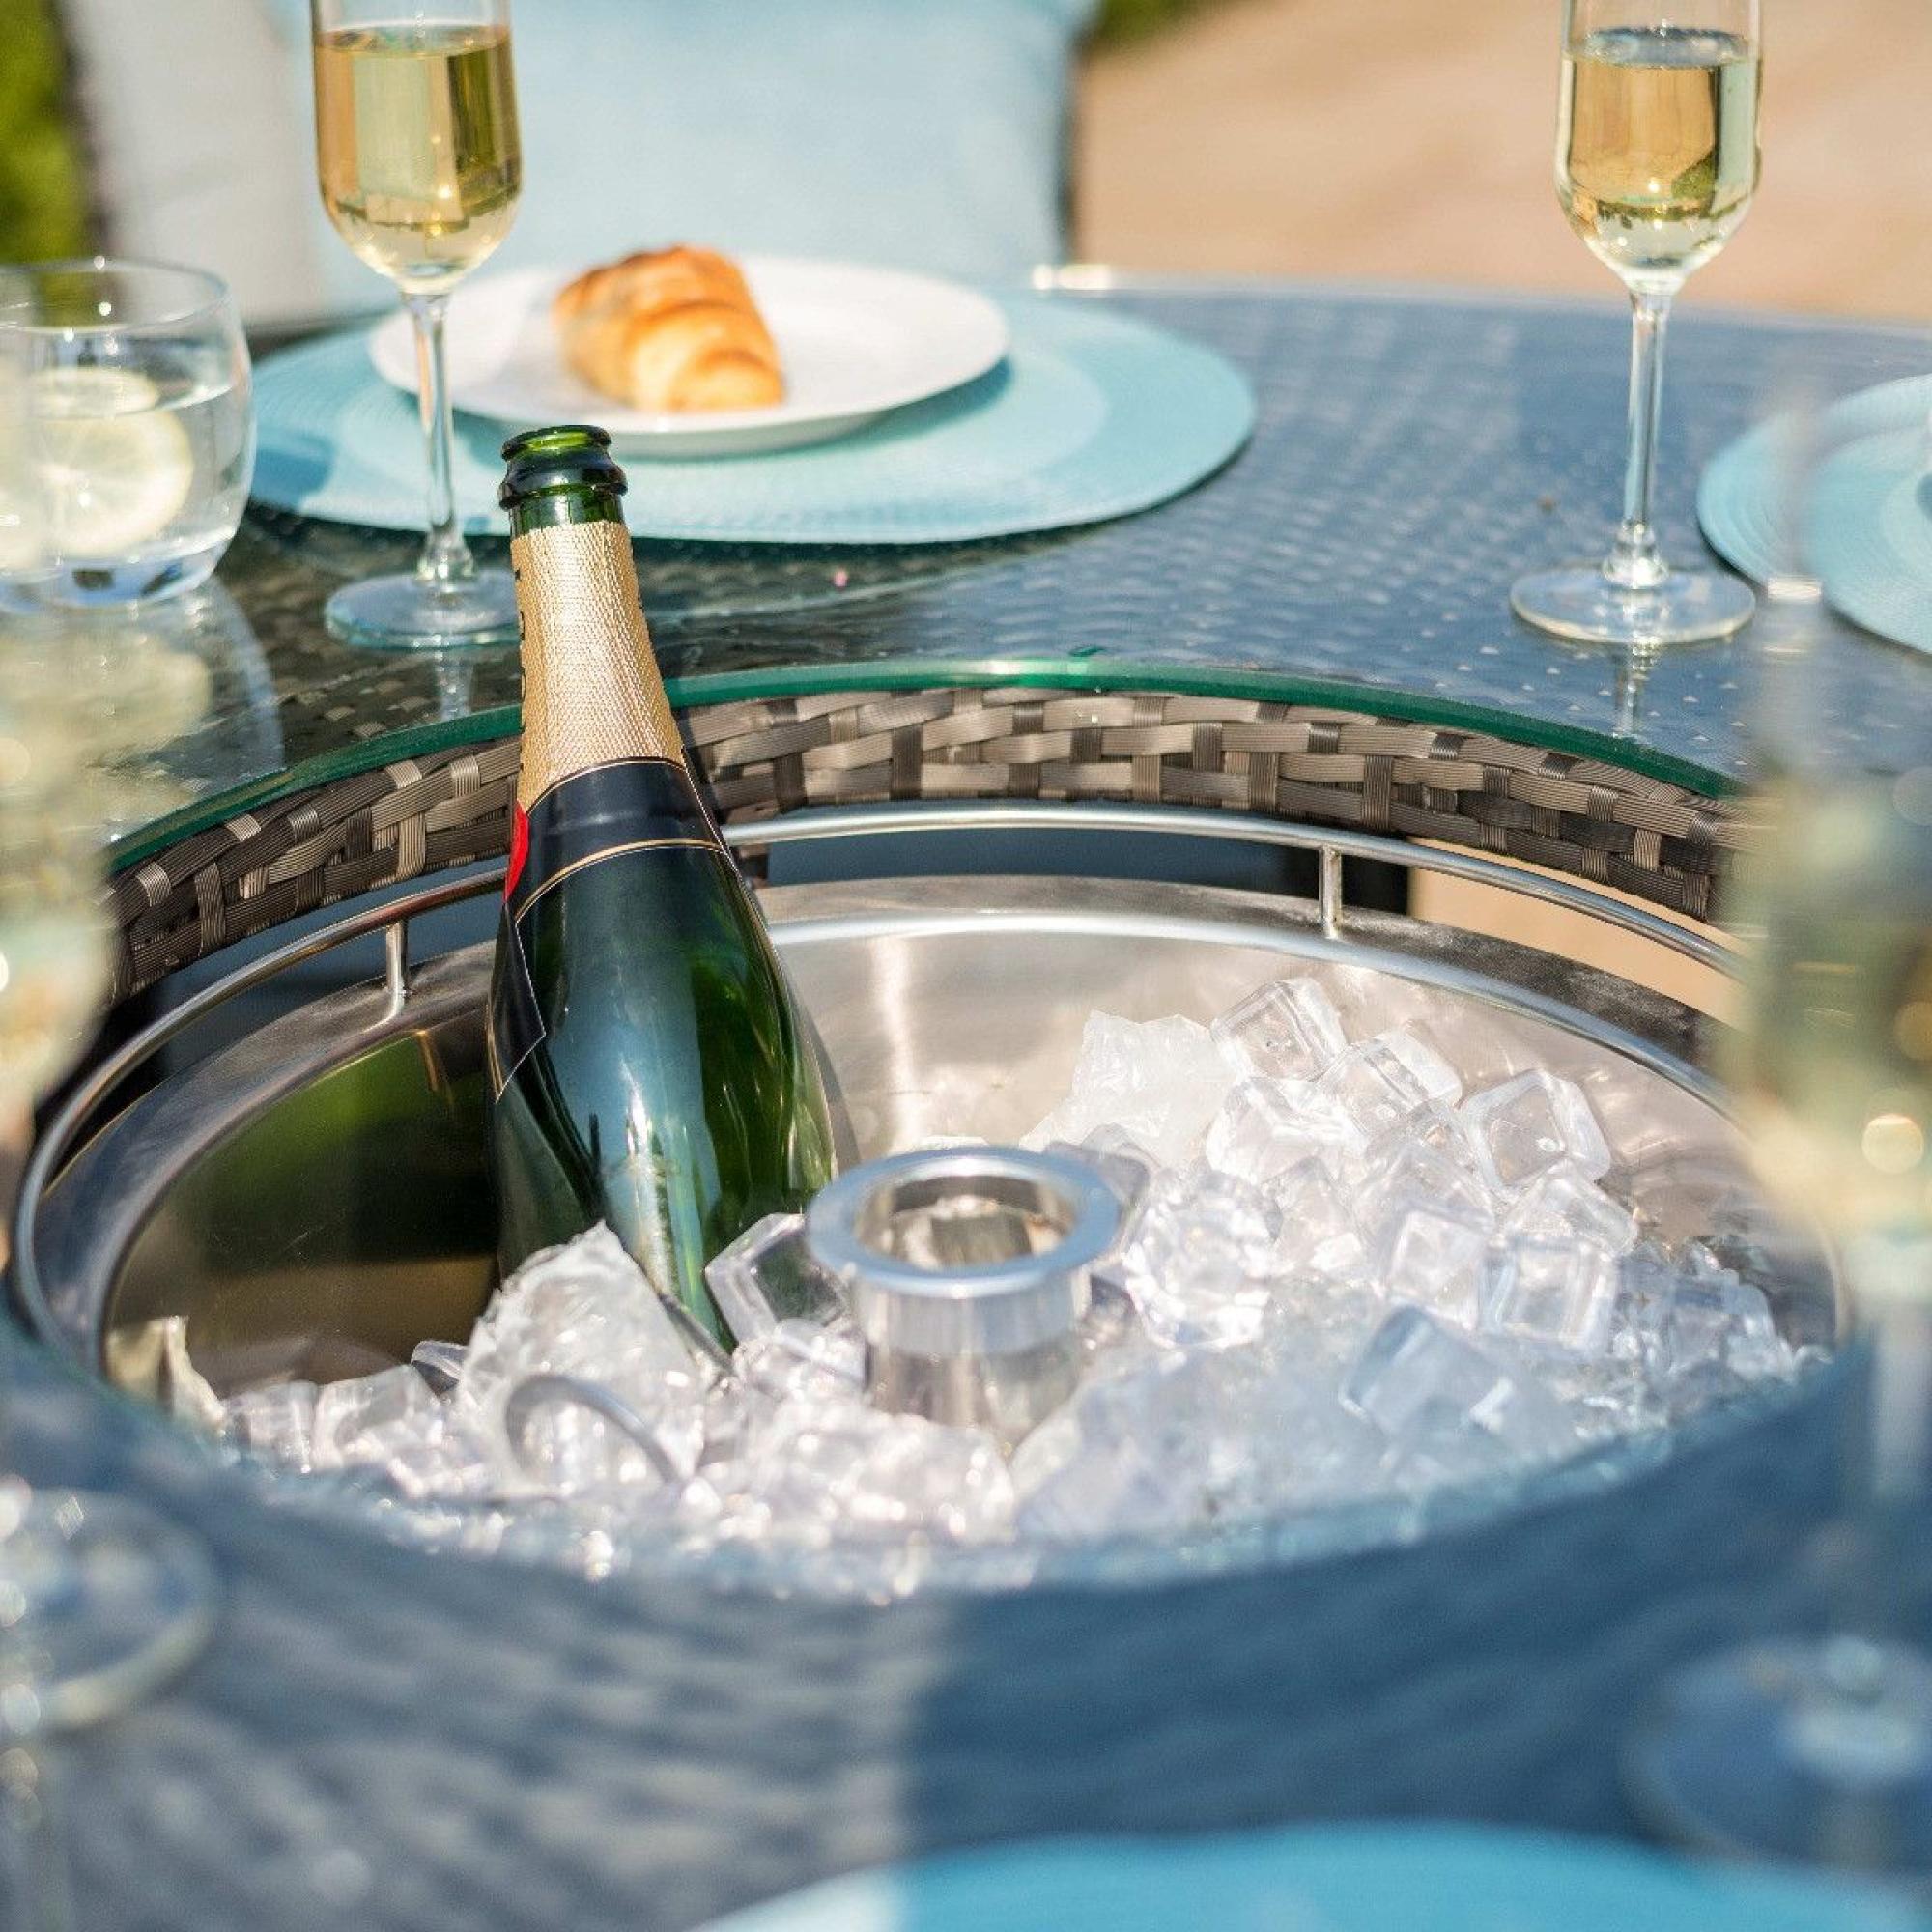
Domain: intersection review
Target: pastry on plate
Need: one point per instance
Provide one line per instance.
(670, 331)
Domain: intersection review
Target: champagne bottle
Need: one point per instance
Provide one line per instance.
(648, 1066)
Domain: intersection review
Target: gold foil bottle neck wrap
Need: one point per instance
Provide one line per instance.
(592, 695)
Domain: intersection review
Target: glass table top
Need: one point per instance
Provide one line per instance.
(1412, 454)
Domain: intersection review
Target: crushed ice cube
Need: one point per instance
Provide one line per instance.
(1431, 1251)
(1160, 1081)
(1532, 1123)
(585, 1309)
(440, 1364)
(816, 1469)
(767, 1276)
(1317, 1226)
(806, 1361)
(1120, 1160)
(277, 1422)
(1198, 1260)
(1556, 1294)
(1286, 1029)
(1563, 1203)
(364, 1419)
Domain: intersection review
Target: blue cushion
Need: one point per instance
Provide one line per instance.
(925, 134)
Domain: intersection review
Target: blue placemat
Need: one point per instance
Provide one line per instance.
(1861, 467)
(1356, 1879)
(1091, 415)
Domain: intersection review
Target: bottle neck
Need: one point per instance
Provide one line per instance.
(592, 695)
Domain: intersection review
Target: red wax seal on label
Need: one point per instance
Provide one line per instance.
(519, 848)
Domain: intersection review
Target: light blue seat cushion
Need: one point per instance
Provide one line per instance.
(925, 134)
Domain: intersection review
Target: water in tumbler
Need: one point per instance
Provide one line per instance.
(141, 474)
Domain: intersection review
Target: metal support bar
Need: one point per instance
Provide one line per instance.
(1328, 891)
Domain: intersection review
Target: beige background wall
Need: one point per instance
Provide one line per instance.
(1410, 139)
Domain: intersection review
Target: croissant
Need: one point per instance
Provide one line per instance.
(670, 331)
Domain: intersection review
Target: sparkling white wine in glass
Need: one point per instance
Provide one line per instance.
(416, 132)
(1656, 154)
(1835, 1070)
(1656, 163)
(420, 168)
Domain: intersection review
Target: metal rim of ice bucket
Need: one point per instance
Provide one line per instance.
(68, 1311)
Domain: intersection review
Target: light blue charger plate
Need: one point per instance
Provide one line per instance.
(1091, 415)
(1356, 1879)
(1867, 527)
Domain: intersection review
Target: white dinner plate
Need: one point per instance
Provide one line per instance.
(855, 342)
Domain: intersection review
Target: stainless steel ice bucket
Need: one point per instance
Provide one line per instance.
(471, 1743)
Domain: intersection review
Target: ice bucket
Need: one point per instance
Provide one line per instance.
(657, 1745)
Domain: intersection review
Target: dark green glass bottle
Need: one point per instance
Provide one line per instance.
(649, 1067)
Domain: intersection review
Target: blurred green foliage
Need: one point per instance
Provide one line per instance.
(42, 195)
(1129, 20)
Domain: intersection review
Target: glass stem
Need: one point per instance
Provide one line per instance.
(1634, 562)
(445, 557)
(34, 1894)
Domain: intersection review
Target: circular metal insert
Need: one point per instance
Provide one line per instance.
(966, 1270)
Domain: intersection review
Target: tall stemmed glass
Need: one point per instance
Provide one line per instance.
(1657, 160)
(1820, 1748)
(417, 151)
(100, 1598)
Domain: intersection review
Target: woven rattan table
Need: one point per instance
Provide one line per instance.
(1320, 631)
(386, 1741)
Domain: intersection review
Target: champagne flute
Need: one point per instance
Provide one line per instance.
(1820, 1748)
(420, 166)
(1657, 160)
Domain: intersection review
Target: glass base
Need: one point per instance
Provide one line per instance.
(101, 1602)
(405, 613)
(1812, 1751)
(1579, 600)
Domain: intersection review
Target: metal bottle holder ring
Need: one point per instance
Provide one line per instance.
(966, 1270)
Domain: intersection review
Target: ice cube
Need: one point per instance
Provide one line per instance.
(1412, 1170)
(1265, 1126)
(1415, 1067)
(1416, 1379)
(440, 1364)
(1120, 1160)
(1286, 1029)
(279, 1422)
(1557, 1295)
(1181, 1441)
(1431, 1252)
(1198, 1259)
(1317, 1226)
(822, 1467)
(1562, 1204)
(767, 1276)
(806, 1361)
(1372, 1087)
(1532, 1123)
(1684, 1326)
(1160, 1081)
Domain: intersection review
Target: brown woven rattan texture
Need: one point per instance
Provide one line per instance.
(1574, 815)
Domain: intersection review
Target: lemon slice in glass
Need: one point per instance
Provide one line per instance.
(114, 467)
